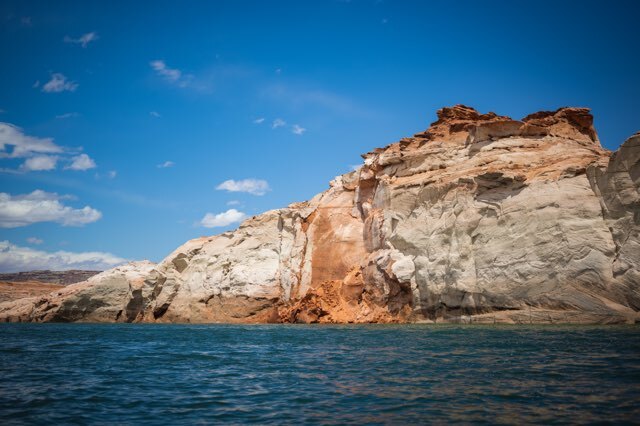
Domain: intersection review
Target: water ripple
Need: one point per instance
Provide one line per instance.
(189, 374)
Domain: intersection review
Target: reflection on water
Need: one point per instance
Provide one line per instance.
(318, 374)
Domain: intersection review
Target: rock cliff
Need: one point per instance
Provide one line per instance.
(481, 218)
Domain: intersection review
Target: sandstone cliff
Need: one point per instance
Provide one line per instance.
(480, 218)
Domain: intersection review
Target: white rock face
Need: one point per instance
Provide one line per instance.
(480, 218)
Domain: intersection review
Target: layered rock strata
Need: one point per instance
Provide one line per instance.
(480, 218)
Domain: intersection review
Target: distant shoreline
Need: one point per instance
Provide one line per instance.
(67, 277)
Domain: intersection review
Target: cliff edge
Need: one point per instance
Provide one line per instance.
(481, 218)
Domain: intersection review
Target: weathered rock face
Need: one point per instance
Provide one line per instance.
(480, 218)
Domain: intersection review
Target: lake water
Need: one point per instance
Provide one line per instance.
(291, 374)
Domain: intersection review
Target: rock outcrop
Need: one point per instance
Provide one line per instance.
(480, 218)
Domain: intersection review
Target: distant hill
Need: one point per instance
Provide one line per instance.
(54, 277)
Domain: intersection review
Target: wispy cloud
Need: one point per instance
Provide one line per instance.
(278, 122)
(41, 206)
(26, 21)
(166, 164)
(172, 75)
(220, 78)
(34, 240)
(59, 83)
(211, 220)
(81, 162)
(161, 68)
(40, 163)
(83, 40)
(15, 258)
(68, 115)
(251, 186)
(299, 96)
(233, 203)
(297, 130)
(24, 145)
(111, 174)
(72, 183)
(155, 114)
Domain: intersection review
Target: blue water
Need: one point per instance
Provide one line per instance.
(279, 374)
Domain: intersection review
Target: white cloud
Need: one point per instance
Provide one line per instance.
(83, 40)
(14, 258)
(41, 206)
(59, 83)
(23, 145)
(36, 84)
(222, 219)
(252, 186)
(34, 240)
(155, 114)
(81, 162)
(201, 83)
(297, 130)
(233, 203)
(161, 68)
(40, 163)
(41, 153)
(68, 115)
(278, 122)
(166, 164)
(259, 120)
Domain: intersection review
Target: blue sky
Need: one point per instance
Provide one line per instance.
(140, 125)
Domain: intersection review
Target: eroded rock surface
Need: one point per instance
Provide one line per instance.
(481, 218)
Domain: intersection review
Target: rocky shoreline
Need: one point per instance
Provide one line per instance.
(14, 290)
(478, 219)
